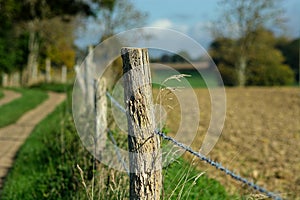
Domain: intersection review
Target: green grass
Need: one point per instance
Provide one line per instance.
(185, 181)
(45, 168)
(55, 87)
(12, 111)
(1, 94)
(194, 78)
(42, 168)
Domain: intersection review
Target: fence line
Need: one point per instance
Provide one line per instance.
(205, 159)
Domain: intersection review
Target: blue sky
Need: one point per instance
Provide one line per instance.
(190, 16)
(198, 11)
(193, 17)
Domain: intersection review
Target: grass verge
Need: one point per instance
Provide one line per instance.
(46, 168)
(42, 168)
(12, 111)
(194, 78)
(183, 181)
(55, 87)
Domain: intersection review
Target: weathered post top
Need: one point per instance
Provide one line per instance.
(134, 58)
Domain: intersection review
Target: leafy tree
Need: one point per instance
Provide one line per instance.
(174, 58)
(229, 75)
(116, 15)
(225, 58)
(290, 50)
(7, 36)
(222, 52)
(268, 61)
(165, 58)
(22, 17)
(180, 57)
(265, 64)
(58, 45)
(46, 9)
(239, 20)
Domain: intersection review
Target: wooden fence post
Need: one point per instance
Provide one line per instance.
(80, 78)
(89, 67)
(16, 79)
(34, 73)
(143, 143)
(64, 74)
(48, 70)
(4, 80)
(101, 116)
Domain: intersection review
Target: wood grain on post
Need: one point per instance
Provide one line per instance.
(143, 143)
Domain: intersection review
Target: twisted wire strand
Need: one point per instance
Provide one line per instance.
(207, 160)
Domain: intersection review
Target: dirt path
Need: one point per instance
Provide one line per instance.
(9, 96)
(13, 136)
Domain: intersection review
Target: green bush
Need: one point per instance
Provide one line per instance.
(229, 75)
(270, 76)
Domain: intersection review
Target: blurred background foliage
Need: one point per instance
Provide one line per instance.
(266, 64)
(245, 47)
(32, 31)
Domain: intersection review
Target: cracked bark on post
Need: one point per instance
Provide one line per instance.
(143, 143)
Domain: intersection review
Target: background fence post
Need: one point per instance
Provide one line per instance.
(34, 73)
(143, 144)
(64, 74)
(4, 80)
(89, 67)
(80, 78)
(101, 116)
(48, 70)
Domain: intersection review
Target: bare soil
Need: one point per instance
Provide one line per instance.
(260, 139)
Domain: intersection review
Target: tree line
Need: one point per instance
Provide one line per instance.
(271, 61)
(245, 47)
(35, 30)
